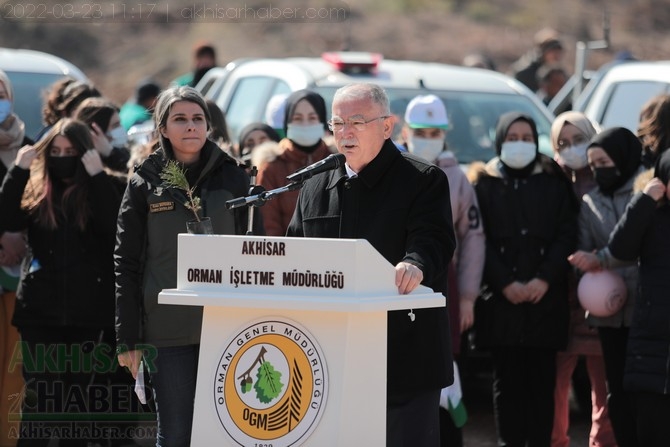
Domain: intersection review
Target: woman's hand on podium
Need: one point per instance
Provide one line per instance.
(407, 277)
(131, 360)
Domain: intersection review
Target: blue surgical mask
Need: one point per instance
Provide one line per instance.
(305, 135)
(5, 109)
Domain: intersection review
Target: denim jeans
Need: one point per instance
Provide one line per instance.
(173, 380)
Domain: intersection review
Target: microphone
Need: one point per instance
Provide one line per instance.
(329, 163)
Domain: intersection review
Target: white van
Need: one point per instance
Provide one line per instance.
(474, 97)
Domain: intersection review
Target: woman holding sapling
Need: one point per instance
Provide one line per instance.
(188, 178)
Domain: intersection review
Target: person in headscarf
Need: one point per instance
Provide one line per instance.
(624, 151)
(641, 236)
(253, 135)
(530, 220)
(304, 126)
(571, 133)
(570, 136)
(615, 159)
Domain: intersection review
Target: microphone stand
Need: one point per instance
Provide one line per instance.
(257, 197)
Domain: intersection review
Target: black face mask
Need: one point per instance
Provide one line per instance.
(62, 167)
(607, 179)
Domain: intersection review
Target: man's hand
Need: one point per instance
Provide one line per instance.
(407, 277)
(131, 360)
(92, 162)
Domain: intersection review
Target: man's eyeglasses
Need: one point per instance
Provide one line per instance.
(358, 124)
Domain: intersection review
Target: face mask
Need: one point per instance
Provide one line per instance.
(518, 154)
(426, 148)
(119, 137)
(62, 167)
(606, 178)
(574, 157)
(5, 109)
(305, 135)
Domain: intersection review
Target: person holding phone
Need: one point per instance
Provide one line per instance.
(58, 192)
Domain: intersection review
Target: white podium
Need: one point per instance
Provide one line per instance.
(293, 344)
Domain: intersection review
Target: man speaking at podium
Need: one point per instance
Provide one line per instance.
(400, 204)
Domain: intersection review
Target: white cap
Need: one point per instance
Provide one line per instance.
(426, 111)
(274, 111)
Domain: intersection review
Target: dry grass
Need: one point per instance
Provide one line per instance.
(117, 55)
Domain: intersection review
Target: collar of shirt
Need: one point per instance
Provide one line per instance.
(350, 172)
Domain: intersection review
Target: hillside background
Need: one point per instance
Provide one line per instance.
(117, 54)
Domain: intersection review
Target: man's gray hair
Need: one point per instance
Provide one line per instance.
(372, 92)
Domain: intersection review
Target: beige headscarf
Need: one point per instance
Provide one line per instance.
(12, 130)
(577, 119)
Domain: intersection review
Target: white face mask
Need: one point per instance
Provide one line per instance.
(119, 137)
(305, 136)
(426, 148)
(518, 154)
(574, 157)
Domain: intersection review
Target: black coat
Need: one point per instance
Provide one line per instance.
(531, 229)
(150, 218)
(67, 277)
(400, 204)
(642, 232)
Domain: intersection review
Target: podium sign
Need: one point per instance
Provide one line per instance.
(293, 343)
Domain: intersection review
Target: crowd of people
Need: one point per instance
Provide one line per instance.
(88, 238)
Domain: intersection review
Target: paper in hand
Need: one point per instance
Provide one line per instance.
(139, 384)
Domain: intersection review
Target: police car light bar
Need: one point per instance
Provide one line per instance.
(354, 62)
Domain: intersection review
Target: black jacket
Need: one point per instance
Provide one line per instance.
(146, 250)
(400, 204)
(67, 277)
(531, 229)
(642, 232)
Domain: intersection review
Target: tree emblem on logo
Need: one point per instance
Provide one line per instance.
(268, 380)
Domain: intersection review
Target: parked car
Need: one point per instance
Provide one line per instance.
(619, 94)
(475, 98)
(31, 73)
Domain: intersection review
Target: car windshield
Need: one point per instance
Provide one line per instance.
(472, 118)
(28, 97)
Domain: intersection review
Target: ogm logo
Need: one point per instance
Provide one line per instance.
(271, 384)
